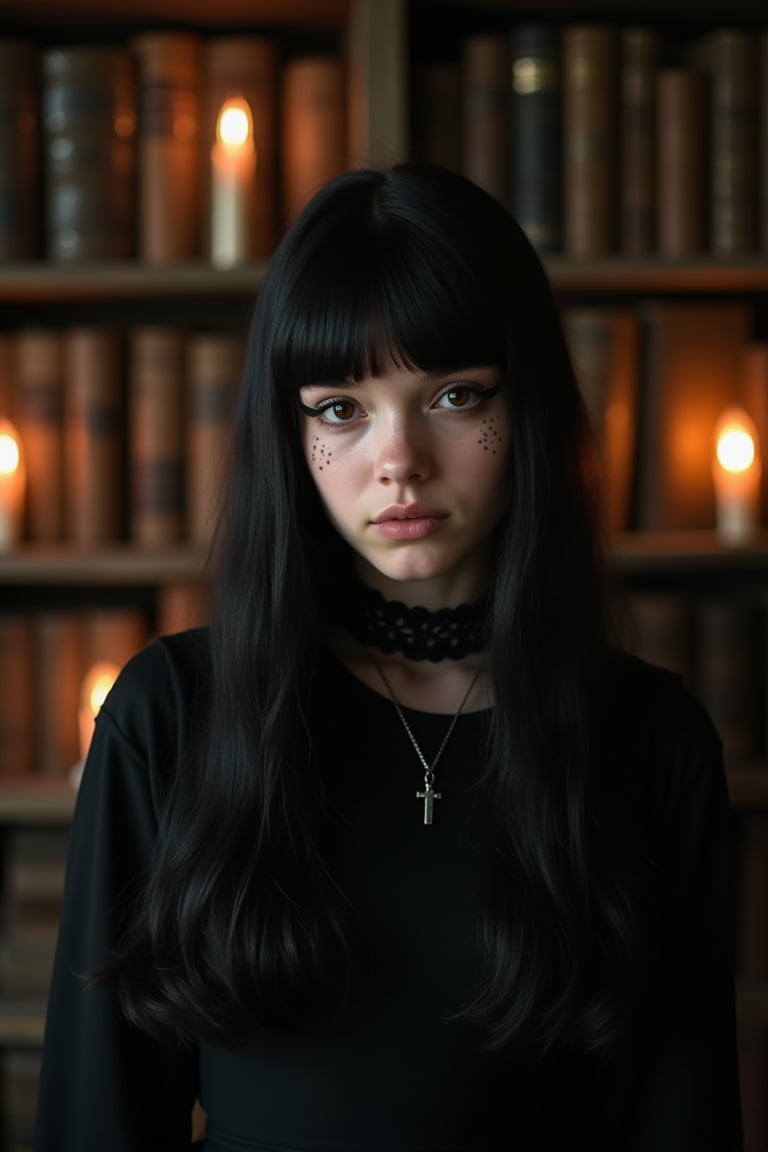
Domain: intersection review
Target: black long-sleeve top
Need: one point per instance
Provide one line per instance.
(393, 1069)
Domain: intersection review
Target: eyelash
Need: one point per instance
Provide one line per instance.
(318, 412)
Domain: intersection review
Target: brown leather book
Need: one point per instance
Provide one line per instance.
(181, 606)
(214, 364)
(88, 108)
(40, 421)
(112, 636)
(605, 346)
(57, 691)
(7, 373)
(19, 152)
(590, 139)
(314, 128)
(681, 163)
(94, 441)
(691, 371)
(17, 690)
(733, 152)
(754, 397)
(659, 628)
(485, 117)
(246, 66)
(436, 113)
(728, 673)
(156, 450)
(170, 134)
(637, 133)
(762, 145)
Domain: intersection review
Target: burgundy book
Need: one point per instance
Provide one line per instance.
(314, 128)
(485, 112)
(681, 163)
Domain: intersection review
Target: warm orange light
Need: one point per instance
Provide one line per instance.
(736, 472)
(13, 482)
(234, 127)
(95, 688)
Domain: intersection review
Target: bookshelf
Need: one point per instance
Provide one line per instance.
(382, 41)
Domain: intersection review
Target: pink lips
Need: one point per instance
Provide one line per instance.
(409, 521)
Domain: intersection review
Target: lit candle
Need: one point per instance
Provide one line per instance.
(233, 183)
(736, 472)
(96, 684)
(12, 487)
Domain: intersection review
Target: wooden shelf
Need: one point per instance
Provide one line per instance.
(689, 552)
(254, 13)
(39, 281)
(22, 1023)
(43, 281)
(621, 11)
(748, 786)
(37, 801)
(125, 565)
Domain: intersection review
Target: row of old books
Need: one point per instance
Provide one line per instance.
(46, 657)
(34, 864)
(124, 433)
(656, 377)
(718, 643)
(605, 139)
(105, 151)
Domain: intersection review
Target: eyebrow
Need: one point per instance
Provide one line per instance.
(433, 374)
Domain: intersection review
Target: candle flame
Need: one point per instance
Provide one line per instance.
(234, 127)
(9, 453)
(735, 449)
(97, 684)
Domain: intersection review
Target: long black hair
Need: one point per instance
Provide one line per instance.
(418, 267)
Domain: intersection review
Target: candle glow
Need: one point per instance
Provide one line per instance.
(95, 688)
(736, 472)
(233, 184)
(12, 487)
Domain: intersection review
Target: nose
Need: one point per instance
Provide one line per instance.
(402, 453)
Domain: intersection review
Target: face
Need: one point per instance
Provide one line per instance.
(411, 469)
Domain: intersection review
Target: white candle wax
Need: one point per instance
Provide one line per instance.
(736, 472)
(233, 175)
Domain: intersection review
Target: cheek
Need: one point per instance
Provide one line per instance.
(491, 438)
(319, 453)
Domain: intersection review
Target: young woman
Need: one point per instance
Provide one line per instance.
(400, 854)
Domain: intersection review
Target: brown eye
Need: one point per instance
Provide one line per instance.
(459, 397)
(341, 410)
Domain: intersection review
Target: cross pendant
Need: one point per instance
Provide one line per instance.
(429, 796)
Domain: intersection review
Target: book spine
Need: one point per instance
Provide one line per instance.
(727, 673)
(93, 435)
(637, 177)
(734, 143)
(246, 66)
(660, 629)
(57, 695)
(314, 135)
(89, 135)
(536, 134)
(692, 356)
(590, 64)
(156, 448)
(214, 363)
(7, 373)
(169, 100)
(112, 636)
(39, 406)
(681, 163)
(754, 396)
(17, 684)
(604, 344)
(485, 128)
(18, 150)
(763, 141)
(181, 606)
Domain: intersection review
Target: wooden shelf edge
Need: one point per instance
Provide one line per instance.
(119, 564)
(686, 551)
(123, 280)
(37, 801)
(22, 1023)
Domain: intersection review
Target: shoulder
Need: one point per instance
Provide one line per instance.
(160, 699)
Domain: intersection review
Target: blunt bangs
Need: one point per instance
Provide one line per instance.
(392, 296)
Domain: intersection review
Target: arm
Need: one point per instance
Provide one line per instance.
(103, 1083)
(687, 1092)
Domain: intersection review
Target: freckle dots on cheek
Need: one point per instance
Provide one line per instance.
(490, 437)
(320, 454)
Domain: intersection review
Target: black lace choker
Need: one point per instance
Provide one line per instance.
(417, 633)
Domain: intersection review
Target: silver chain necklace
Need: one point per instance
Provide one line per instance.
(429, 795)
